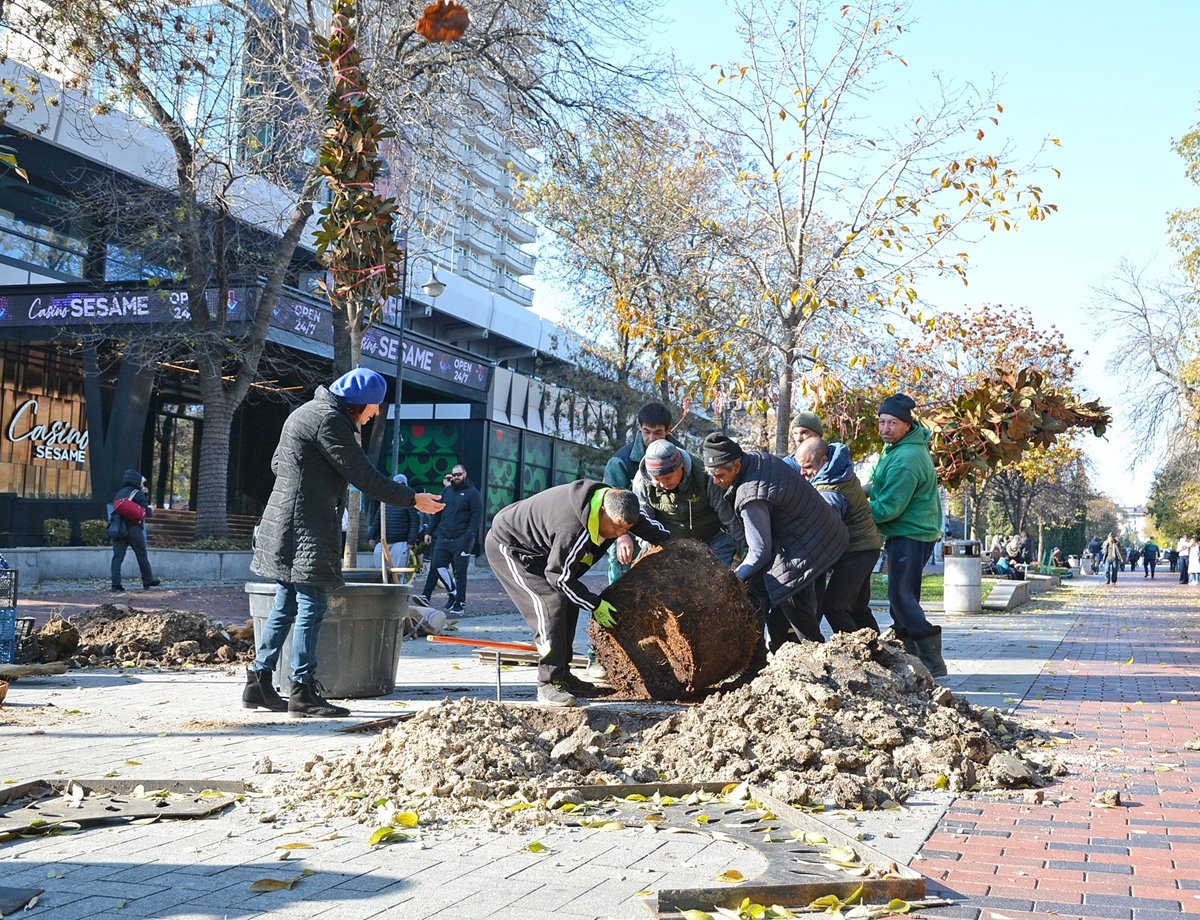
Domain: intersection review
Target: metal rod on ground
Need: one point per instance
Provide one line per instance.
(484, 643)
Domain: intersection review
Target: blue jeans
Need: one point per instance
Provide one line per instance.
(304, 605)
(905, 562)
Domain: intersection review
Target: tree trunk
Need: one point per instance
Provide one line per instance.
(212, 487)
(783, 407)
(1041, 542)
(115, 430)
(354, 505)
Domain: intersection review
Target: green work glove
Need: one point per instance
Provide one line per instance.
(605, 615)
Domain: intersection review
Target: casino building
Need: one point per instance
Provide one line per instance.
(78, 406)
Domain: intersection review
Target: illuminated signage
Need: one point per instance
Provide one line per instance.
(56, 441)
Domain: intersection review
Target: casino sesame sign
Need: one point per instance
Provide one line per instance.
(46, 428)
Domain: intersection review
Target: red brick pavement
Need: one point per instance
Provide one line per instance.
(1126, 683)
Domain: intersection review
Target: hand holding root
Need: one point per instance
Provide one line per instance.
(605, 615)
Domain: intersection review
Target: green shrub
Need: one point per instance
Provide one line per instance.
(57, 531)
(94, 533)
(216, 543)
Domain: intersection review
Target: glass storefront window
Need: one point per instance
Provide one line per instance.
(504, 451)
(535, 466)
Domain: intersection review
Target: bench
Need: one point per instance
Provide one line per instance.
(166, 528)
(1008, 594)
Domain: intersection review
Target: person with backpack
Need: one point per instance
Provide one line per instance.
(127, 529)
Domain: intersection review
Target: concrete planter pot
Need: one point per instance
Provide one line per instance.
(359, 647)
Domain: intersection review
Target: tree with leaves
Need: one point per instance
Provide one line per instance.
(844, 212)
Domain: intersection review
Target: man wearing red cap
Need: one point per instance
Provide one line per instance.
(298, 544)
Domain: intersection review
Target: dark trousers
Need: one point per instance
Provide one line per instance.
(451, 564)
(846, 601)
(906, 561)
(134, 539)
(1148, 567)
(1183, 569)
(794, 618)
(550, 614)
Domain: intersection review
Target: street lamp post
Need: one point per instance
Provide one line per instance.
(433, 289)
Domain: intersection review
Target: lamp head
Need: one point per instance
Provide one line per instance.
(433, 287)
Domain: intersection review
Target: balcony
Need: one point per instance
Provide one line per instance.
(486, 138)
(485, 171)
(515, 258)
(521, 293)
(518, 229)
(475, 270)
(479, 238)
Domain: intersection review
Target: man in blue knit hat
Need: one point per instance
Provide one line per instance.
(299, 539)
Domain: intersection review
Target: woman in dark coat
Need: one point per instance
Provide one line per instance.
(132, 535)
(299, 539)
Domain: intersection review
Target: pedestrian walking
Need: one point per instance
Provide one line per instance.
(452, 535)
(1184, 548)
(1149, 558)
(1111, 554)
(403, 526)
(1173, 559)
(908, 512)
(300, 534)
(127, 529)
(793, 536)
(845, 601)
(540, 548)
(1194, 558)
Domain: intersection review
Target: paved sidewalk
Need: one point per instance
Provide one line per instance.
(1061, 659)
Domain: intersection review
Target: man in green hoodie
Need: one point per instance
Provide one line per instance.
(908, 513)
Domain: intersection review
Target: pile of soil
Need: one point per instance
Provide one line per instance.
(684, 624)
(855, 721)
(116, 634)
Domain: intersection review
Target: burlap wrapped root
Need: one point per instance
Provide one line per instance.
(684, 624)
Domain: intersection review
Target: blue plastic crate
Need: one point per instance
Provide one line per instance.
(8, 634)
(8, 588)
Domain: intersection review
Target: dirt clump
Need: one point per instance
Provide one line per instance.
(58, 640)
(855, 721)
(115, 634)
(465, 760)
(684, 624)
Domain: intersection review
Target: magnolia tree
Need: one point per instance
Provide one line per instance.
(842, 208)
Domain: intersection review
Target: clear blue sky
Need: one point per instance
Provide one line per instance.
(1116, 82)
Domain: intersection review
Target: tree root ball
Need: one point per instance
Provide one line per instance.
(684, 624)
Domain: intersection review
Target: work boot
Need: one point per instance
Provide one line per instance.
(555, 694)
(260, 693)
(929, 650)
(581, 688)
(305, 701)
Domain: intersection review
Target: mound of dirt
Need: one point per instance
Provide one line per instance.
(58, 640)
(855, 721)
(684, 624)
(115, 634)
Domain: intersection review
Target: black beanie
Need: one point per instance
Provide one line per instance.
(718, 449)
(900, 406)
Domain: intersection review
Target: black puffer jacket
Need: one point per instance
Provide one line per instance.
(460, 519)
(807, 535)
(131, 488)
(403, 525)
(300, 535)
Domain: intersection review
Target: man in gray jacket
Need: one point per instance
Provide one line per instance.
(674, 490)
(299, 539)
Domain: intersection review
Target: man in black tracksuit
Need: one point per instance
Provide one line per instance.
(453, 537)
(540, 547)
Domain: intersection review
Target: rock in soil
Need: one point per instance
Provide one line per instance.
(116, 634)
(684, 624)
(854, 721)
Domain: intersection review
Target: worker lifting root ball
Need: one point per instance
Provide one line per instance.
(299, 540)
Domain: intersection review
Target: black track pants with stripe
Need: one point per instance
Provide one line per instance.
(550, 614)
